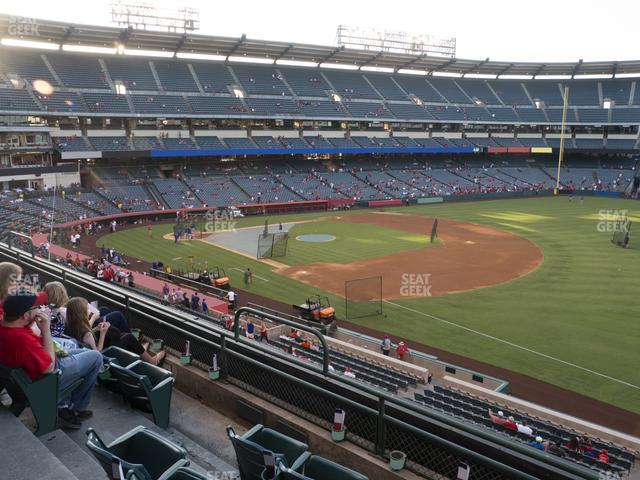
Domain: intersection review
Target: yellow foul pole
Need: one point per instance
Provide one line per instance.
(565, 105)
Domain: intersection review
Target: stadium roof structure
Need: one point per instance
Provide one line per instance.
(61, 33)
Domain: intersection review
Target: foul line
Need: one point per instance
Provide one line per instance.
(506, 342)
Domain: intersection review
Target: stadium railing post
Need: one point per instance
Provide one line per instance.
(380, 428)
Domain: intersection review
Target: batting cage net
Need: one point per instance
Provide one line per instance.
(363, 297)
(622, 233)
(272, 245)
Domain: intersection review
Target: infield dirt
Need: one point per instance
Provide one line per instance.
(470, 256)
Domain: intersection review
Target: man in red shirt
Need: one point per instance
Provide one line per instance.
(20, 347)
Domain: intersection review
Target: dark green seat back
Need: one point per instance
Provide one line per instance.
(141, 450)
(319, 468)
(277, 442)
(152, 372)
(119, 356)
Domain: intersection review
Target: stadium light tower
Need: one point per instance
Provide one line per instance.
(565, 105)
(146, 16)
(396, 42)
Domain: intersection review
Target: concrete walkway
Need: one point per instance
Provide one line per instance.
(140, 279)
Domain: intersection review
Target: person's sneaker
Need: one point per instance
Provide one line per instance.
(66, 419)
(83, 414)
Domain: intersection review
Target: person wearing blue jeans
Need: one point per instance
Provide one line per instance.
(20, 347)
(80, 363)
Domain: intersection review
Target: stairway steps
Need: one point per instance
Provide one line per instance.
(24, 457)
(73, 456)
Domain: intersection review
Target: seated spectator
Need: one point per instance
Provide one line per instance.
(524, 428)
(537, 443)
(603, 456)
(58, 298)
(574, 443)
(79, 327)
(554, 449)
(20, 347)
(500, 420)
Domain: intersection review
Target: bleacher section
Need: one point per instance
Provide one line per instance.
(175, 76)
(133, 73)
(175, 193)
(79, 71)
(217, 190)
(292, 91)
(265, 189)
(476, 410)
(376, 374)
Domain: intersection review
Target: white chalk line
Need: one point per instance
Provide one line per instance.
(506, 342)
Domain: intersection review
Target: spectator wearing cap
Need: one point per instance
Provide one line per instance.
(401, 350)
(20, 347)
(537, 443)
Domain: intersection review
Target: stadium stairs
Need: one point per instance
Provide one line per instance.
(63, 454)
(155, 193)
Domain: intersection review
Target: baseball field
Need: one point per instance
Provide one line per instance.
(531, 285)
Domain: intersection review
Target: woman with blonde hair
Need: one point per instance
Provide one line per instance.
(78, 327)
(58, 298)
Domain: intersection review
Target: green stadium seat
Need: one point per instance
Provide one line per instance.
(119, 356)
(185, 473)
(139, 453)
(315, 467)
(42, 396)
(251, 446)
(146, 387)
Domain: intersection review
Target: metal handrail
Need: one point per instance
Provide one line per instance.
(298, 326)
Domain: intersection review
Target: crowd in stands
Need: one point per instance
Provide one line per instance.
(581, 444)
(44, 330)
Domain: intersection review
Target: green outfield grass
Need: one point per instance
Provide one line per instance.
(353, 242)
(573, 322)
